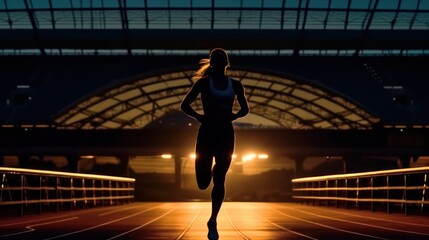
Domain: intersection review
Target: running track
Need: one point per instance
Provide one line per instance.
(187, 221)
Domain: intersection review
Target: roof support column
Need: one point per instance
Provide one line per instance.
(35, 29)
(23, 161)
(178, 171)
(404, 161)
(124, 165)
(299, 164)
(351, 162)
(73, 161)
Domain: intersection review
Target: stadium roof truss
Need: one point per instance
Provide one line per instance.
(255, 27)
(287, 103)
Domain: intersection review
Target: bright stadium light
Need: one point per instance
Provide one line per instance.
(166, 156)
(248, 157)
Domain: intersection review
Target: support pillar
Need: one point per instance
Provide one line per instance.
(124, 161)
(351, 163)
(73, 162)
(237, 166)
(299, 165)
(178, 171)
(404, 161)
(345, 165)
(23, 161)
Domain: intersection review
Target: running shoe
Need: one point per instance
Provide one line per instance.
(213, 234)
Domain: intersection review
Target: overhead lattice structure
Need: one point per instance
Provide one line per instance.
(288, 103)
(274, 27)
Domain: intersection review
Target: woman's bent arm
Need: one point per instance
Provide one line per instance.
(242, 101)
(189, 99)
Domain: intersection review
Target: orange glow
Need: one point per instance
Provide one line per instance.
(248, 157)
(262, 156)
(166, 156)
(62, 174)
(193, 156)
(360, 174)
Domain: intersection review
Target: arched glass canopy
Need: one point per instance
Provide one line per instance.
(291, 104)
(134, 27)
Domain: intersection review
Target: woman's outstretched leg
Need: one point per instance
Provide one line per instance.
(218, 192)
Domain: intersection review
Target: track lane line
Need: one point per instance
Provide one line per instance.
(117, 210)
(289, 230)
(62, 214)
(103, 224)
(235, 227)
(378, 219)
(284, 228)
(189, 225)
(359, 223)
(35, 220)
(327, 226)
(143, 225)
(31, 227)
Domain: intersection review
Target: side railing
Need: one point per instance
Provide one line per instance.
(39, 190)
(391, 190)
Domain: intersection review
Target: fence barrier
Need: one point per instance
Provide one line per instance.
(43, 190)
(399, 189)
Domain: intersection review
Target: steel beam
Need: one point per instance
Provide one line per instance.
(206, 39)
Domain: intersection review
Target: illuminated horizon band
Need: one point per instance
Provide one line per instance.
(362, 174)
(64, 174)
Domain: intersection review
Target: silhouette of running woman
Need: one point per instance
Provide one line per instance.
(216, 134)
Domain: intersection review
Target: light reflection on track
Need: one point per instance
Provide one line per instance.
(189, 226)
(289, 230)
(238, 221)
(31, 228)
(244, 237)
(141, 226)
(369, 225)
(339, 229)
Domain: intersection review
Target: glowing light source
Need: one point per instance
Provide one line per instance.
(248, 157)
(166, 156)
(87, 157)
(63, 174)
(192, 156)
(262, 156)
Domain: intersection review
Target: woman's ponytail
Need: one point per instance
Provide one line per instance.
(204, 69)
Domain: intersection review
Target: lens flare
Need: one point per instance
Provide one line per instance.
(248, 157)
